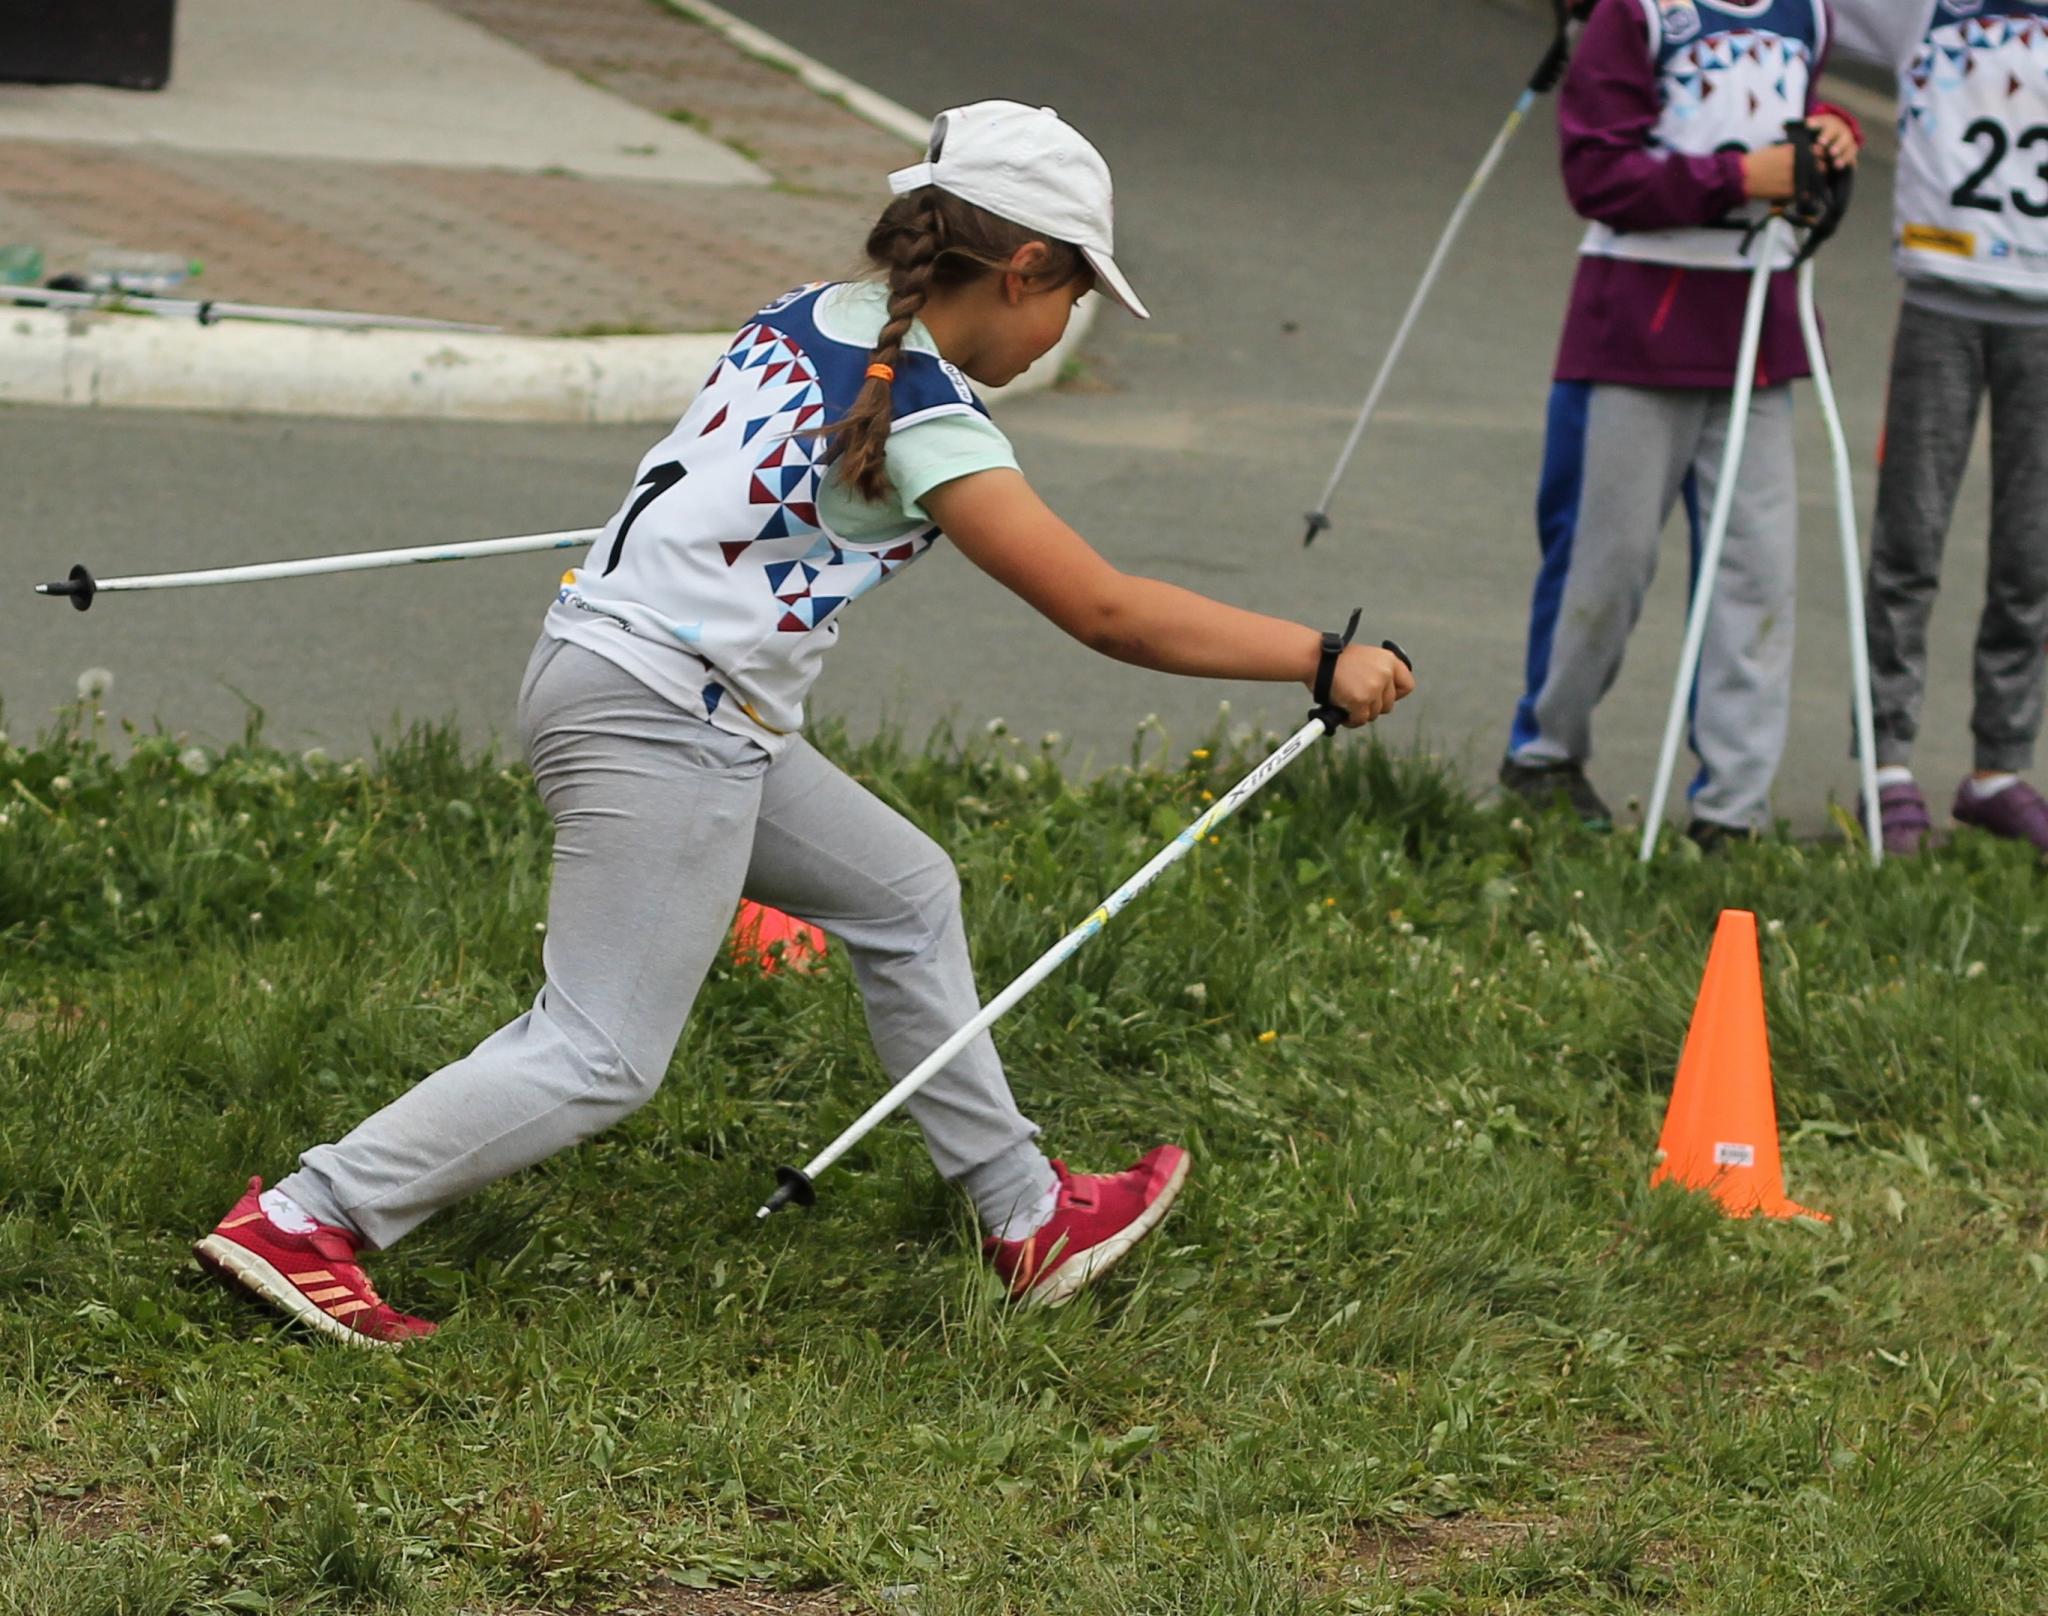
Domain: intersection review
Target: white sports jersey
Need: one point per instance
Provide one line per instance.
(1730, 76)
(716, 584)
(1971, 203)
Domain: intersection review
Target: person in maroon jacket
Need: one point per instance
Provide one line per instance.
(1672, 120)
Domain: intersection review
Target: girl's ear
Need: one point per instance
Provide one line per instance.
(1031, 260)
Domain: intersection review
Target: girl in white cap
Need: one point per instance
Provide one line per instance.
(831, 446)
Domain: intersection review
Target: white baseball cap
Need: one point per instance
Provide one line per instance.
(1023, 164)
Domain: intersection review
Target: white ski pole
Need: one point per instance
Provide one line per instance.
(1717, 528)
(1852, 560)
(81, 587)
(1547, 73)
(797, 1183)
(211, 311)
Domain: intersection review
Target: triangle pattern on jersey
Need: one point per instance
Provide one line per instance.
(716, 421)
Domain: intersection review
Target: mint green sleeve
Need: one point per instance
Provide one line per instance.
(923, 456)
(919, 459)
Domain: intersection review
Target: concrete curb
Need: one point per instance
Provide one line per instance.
(128, 361)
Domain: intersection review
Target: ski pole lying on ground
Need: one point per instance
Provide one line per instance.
(1821, 199)
(81, 586)
(210, 311)
(797, 1184)
(1545, 78)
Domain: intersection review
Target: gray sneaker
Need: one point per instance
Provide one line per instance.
(2017, 813)
(1541, 785)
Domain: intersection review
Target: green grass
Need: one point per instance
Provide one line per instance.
(1419, 1337)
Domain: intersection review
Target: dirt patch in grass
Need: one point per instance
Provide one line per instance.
(88, 1516)
(1413, 1551)
(28, 1021)
(667, 1599)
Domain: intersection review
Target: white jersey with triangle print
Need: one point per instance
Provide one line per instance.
(1730, 75)
(716, 583)
(1971, 203)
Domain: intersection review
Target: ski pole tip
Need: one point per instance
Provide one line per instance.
(1317, 523)
(80, 587)
(794, 1185)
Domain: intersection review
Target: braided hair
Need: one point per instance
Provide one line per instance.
(927, 240)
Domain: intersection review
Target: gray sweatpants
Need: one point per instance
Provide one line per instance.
(1942, 367)
(662, 822)
(1637, 450)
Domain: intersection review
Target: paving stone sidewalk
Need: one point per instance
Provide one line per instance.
(548, 253)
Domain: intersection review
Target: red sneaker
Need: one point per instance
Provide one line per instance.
(314, 1277)
(1098, 1217)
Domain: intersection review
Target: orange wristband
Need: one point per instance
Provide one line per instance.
(881, 372)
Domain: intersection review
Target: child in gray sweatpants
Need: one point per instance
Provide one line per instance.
(834, 443)
(1971, 239)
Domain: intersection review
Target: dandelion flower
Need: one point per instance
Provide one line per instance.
(1199, 754)
(94, 683)
(1268, 1036)
(193, 760)
(315, 757)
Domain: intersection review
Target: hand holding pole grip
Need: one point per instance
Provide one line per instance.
(1327, 711)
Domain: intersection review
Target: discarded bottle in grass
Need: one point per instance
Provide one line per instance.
(21, 264)
(117, 270)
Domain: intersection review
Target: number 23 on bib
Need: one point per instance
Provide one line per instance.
(1972, 201)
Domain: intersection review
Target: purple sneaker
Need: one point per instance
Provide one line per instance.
(2017, 813)
(1902, 819)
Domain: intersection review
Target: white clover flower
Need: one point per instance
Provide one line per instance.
(94, 683)
(3, 737)
(1774, 927)
(1197, 991)
(1977, 969)
(61, 784)
(540, 926)
(997, 726)
(315, 757)
(1019, 773)
(193, 760)
(1050, 739)
(255, 917)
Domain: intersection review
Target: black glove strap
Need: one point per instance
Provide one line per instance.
(1333, 648)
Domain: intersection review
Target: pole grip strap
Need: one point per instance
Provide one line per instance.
(1327, 711)
(1333, 648)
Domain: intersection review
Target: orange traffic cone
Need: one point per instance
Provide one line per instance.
(758, 927)
(1721, 1131)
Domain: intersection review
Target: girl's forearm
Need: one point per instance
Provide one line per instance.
(1173, 630)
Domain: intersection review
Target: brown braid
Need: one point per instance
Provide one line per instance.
(926, 241)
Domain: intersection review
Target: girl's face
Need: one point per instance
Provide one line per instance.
(997, 327)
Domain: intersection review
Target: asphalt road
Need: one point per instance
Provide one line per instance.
(1282, 172)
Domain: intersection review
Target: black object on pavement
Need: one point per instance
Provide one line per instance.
(123, 43)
